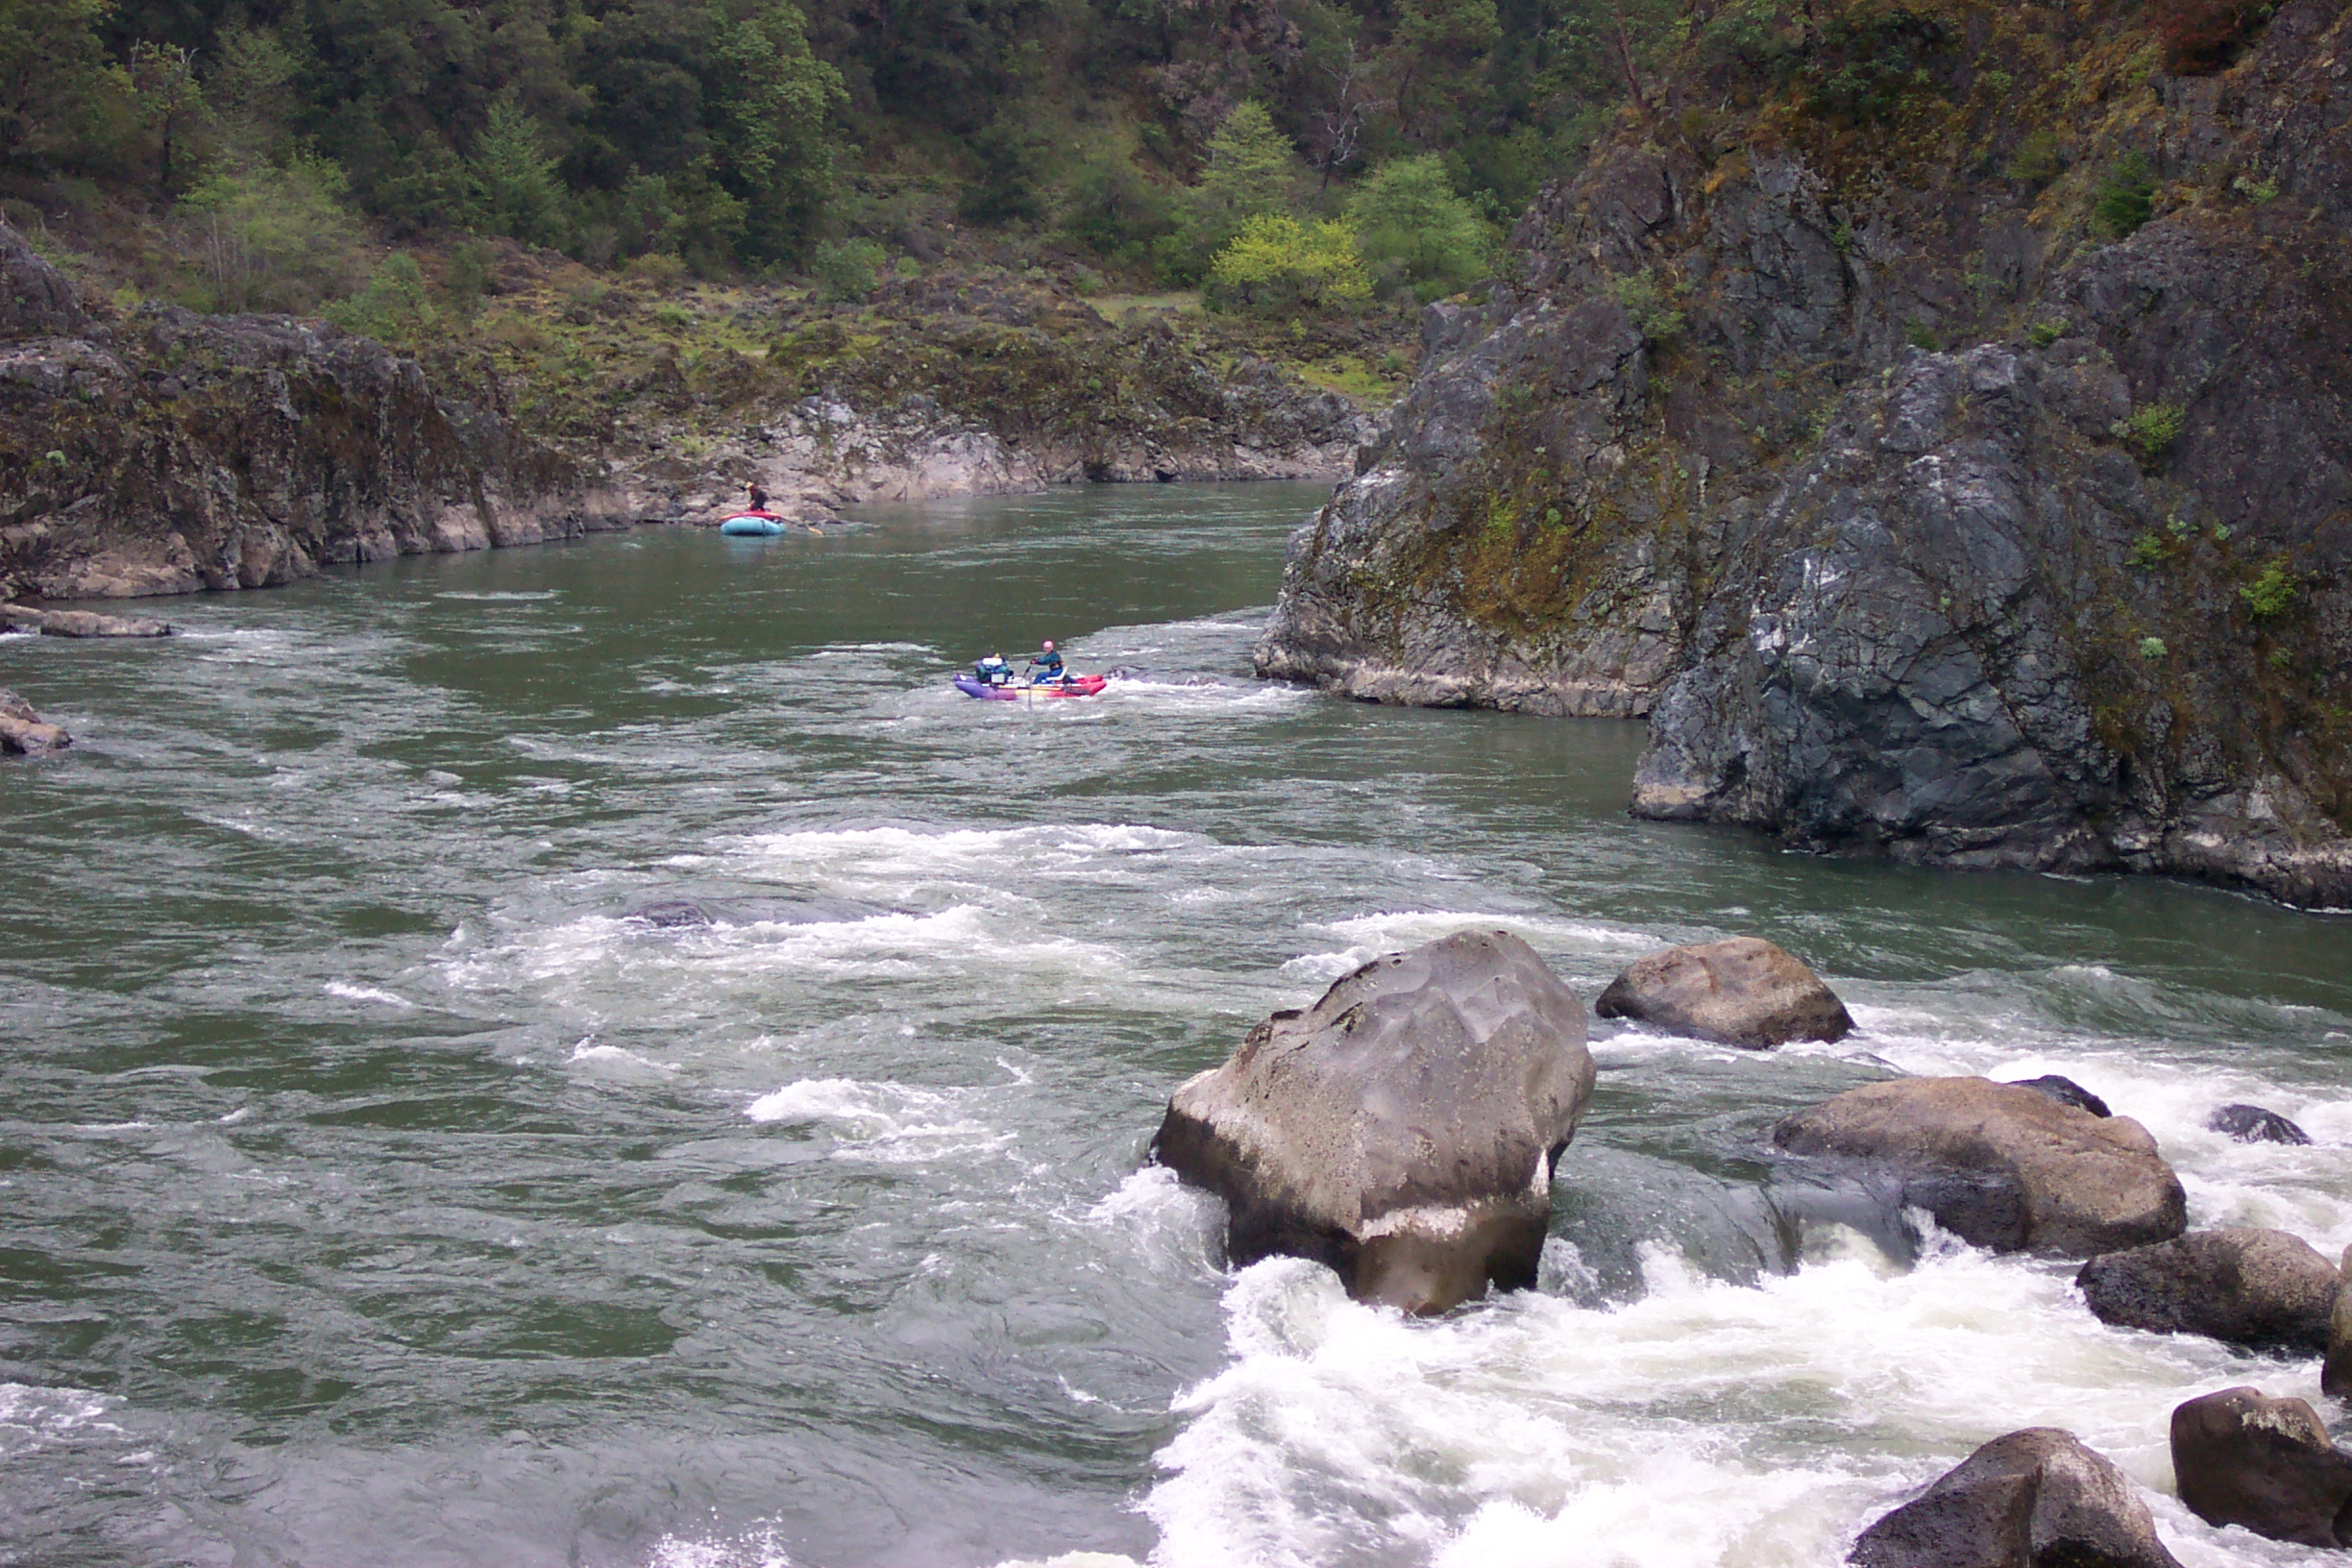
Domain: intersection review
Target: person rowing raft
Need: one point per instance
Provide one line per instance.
(1045, 664)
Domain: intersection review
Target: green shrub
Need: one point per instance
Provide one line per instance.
(2260, 192)
(1277, 263)
(2271, 593)
(2147, 553)
(1415, 232)
(1651, 307)
(2151, 430)
(1920, 336)
(394, 307)
(847, 269)
(2153, 647)
(274, 239)
(2036, 161)
(2042, 334)
(2127, 197)
(511, 185)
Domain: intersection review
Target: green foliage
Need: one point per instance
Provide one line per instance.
(394, 309)
(2127, 197)
(847, 269)
(1921, 336)
(2036, 161)
(512, 186)
(2151, 430)
(774, 99)
(2148, 553)
(1415, 231)
(1651, 307)
(53, 72)
(2042, 334)
(273, 238)
(1278, 264)
(2260, 192)
(1250, 168)
(2153, 648)
(2271, 593)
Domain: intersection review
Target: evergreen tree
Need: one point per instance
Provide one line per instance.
(510, 178)
(1249, 167)
(1414, 228)
(53, 68)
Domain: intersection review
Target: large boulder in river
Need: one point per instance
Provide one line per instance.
(2252, 1124)
(22, 732)
(1403, 1129)
(1742, 992)
(2034, 1499)
(2267, 1465)
(2336, 1371)
(2264, 1289)
(1999, 1166)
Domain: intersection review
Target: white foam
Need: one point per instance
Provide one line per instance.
(33, 1418)
(1706, 1423)
(615, 1061)
(1371, 936)
(502, 597)
(894, 1123)
(366, 993)
(756, 1549)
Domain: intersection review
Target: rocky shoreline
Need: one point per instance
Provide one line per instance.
(165, 453)
(1921, 513)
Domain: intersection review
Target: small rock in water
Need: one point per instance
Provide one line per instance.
(2034, 1499)
(2252, 1124)
(2264, 1289)
(2066, 1091)
(1403, 1129)
(671, 913)
(80, 624)
(22, 732)
(1742, 992)
(2267, 1465)
(1998, 1165)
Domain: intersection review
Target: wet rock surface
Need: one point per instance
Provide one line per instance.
(22, 733)
(1998, 1164)
(2034, 1499)
(80, 623)
(2262, 1289)
(2252, 1124)
(1401, 1130)
(2267, 1465)
(1741, 992)
(2066, 1091)
(1920, 518)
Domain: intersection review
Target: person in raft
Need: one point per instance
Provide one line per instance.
(993, 670)
(759, 498)
(1045, 664)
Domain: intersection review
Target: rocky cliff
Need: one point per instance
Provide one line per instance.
(1935, 420)
(166, 453)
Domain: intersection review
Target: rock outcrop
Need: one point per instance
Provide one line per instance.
(2264, 1289)
(80, 623)
(2267, 1465)
(2252, 1124)
(22, 733)
(1401, 1130)
(2034, 1499)
(169, 453)
(1998, 1165)
(1924, 511)
(1741, 992)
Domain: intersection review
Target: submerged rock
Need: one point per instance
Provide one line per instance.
(1998, 1165)
(2266, 1464)
(1403, 1129)
(22, 732)
(2034, 1499)
(2252, 1124)
(80, 623)
(2066, 1091)
(2264, 1289)
(1742, 992)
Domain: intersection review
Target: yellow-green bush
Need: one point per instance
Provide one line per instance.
(1276, 264)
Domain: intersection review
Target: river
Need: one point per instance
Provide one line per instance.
(374, 1193)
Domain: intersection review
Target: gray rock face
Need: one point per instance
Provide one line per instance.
(22, 733)
(35, 301)
(2267, 1465)
(1742, 991)
(2264, 1289)
(2066, 1091)
(2252, 1124)
(171, 453)
(2336, 1371)
(1999, 1166)
(1953, 607)
(1403, 1129)
(2034, 1499)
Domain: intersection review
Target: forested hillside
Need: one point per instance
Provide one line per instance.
(249, 149)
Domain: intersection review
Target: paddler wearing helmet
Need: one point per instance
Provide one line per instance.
(1045, 664)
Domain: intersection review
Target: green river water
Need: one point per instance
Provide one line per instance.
(374, 1193)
